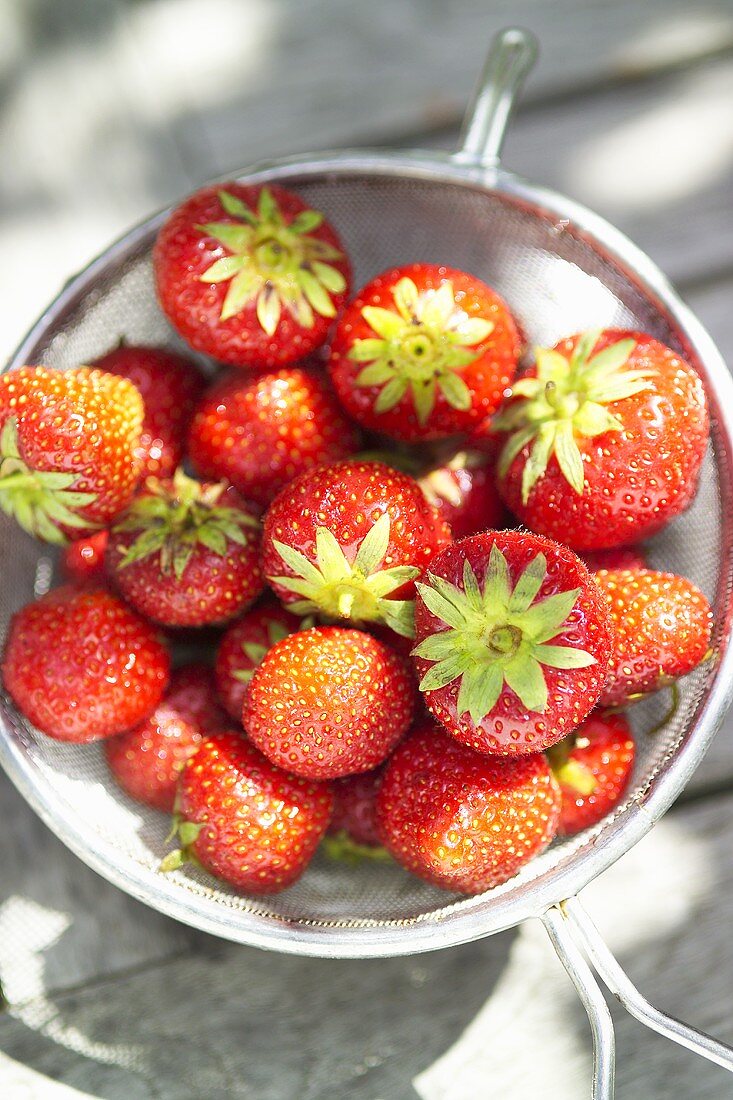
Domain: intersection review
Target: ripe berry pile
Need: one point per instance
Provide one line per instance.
(398, 671)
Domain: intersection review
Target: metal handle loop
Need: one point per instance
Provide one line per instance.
(512, 55)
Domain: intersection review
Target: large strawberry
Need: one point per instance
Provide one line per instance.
(245, 820)
(259, 433)
(513, 641)
(604, 438)
(464, 491)
(81, 666)
(250, 274)
(347, 541)
(147, 761)
(329, 701)
(424, 352)
(186, 553)
(67, 449)
(244, 645)
(593, 767)
(170, 385)
(662, 630)
(461, 820)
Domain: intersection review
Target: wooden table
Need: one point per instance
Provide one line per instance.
(111, 109)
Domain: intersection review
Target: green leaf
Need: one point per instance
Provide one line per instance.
(9, 438)
(331, 277)
(374, 375)
(306, 222)
(241, 290)
(455, 391)
(54, 481)
(551, 367)
(399, 615)
(562, 656)
(330, 557)
(471, 588)
(539, 456)
(298, 562)
(365, 351)
(299, 308)
(277, 631)
(406, 298)
(577, 776)
(373, 547)
(213, 539)
(222, 270)
(387, 580)
(269, 308)
(592, 420)
(482, 692)
(423, 398)
(237, 238)
(568, 456)
(188, 832)
(439, 606)
(584, 347)
(390, 395)
(436, 309)
(244, 675)
(611, 359)
(384, 322)
(528, 585)
(443, 673)
(267, 208)
(497, 582)
(474, 330)
(525, 677)
(436, 647)
(300, 587)
(621, 386)
(181, 557)
(544, 620)
(316, 294)
(236, 208)
(254, 652)
(513, 446)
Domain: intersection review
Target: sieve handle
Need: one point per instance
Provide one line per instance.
(513, 53)
(574, 935)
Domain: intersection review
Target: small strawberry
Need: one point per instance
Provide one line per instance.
(593, 767)
(250, 275)
(244, 645)
(259, 433)
(513, 641)
(245, 820)
(460, 820)
(465, 494)
(81, 666)
(328, 702)
(424, 352)
(67, 449)
(147, 761)
(186, 553)
(83, 559)
(355, 809)
(170, 385)
(604, 438)
(662, 627)
(620, 557)
(347, 541)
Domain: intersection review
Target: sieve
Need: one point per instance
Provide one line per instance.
(562, 269)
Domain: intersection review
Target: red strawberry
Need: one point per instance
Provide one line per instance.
(605, 438)
(347, 541)
(259, 433)
(461, 820)
(148, 760)
(67, 449)
(245, 820)
(662, 625)
(513, 641)
(170, 385)
(244, 645)
(81, 666)
(620, 557)
(355, 808)
(83, 559)
(328, 702)
(186, 553)
(465, 494)
(593, 767)
(250, 275)
(424, 352)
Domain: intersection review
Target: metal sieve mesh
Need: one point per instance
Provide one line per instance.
(557, 279)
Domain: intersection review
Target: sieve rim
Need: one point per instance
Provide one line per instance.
(489, 913)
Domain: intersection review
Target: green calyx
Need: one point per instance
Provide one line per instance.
(173, 525)
(186, 832)
(355, 591)
(341, 848)
(273, 264)
(564, 403)
(569, 772)
(497, 635)
(421, 346)
(255, 653)
(41, 502)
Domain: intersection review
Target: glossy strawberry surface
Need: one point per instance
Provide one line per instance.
(662, 626)
(103, 669)
(464, 821)
(250, 275)
(424, 352)
(593, 767)
(259, 826)
(170, 385)
(83, 559)
(328, 702)
(261, 432)
(244, 645)
(147, 761)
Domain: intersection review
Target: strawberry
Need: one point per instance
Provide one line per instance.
(328, 701)
(245, 820)
(424, 352)
(347, 541)
(147, 761)
(603, 439)
(355, 809)
(464, 492)
(250, 275)
(186, 553)
(67, 449)
(259, 433)
(244, 645)
(593, 767)
(461, 820)
(170, 385)
(620, 557)
(83, 559)
(81, 666)
(513, 641)
(662, 626)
